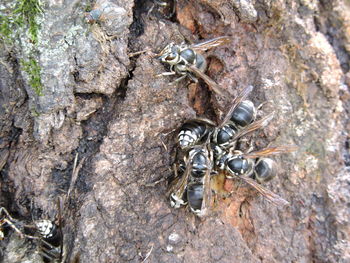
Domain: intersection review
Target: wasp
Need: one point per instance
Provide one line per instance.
(194, 131)
(51, 236)
(51, 240)
(48, 235)
(254, 172)
(238, 121)
(209, 149)
(187, 61)
(193, 187)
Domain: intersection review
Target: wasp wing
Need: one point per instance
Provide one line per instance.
(179, 187)
(253, 126)
(207, 195)
(271, 151)
(211, 43)
(236, 101)
(202, 120)
(211, 83)
(270, 196)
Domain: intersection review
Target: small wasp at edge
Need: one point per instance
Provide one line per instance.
(187, 61)
(254, 172)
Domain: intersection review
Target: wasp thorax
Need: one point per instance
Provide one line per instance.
(264, 170)
(221, 158)
(225, 134)
(238, 165)
(199, 164)
(188, 55)
(244, 114)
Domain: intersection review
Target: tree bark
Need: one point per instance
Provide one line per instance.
(102, 103)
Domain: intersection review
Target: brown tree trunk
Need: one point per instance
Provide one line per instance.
(102, 103)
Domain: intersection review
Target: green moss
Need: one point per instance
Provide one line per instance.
(5, 28)
(24, 14)
(32, 68)
(88, 7)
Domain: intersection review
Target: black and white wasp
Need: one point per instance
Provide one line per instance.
(50, 236)
(47, 233)
(192, 132)
(238, 121)
(187, 61)
(254, 169)
(51, 240)
(193, 185)
(212, 148)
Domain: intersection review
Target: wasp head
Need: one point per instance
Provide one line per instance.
(170, 54)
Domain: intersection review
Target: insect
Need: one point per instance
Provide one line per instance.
(243, 166)
(193, 187)
(51, 240)
(209, 149)
(46, 233)
(238, 121)
(194, 131)
(187, 61)
(51, 236)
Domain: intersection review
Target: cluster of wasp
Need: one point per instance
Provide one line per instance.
(47, 233)
(208, 148)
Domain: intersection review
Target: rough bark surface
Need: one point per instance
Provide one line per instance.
(102, 101)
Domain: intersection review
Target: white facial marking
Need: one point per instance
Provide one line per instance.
(187, 138)
(45, 228)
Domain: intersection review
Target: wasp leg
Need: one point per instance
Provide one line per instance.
(168, 73)
(3, 210)
(249, 144)
(263, 104)
(177, 80)
(193, 78)
(49, 255)
(14, 227)
(164, 135)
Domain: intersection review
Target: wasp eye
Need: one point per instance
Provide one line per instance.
(171, 56)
